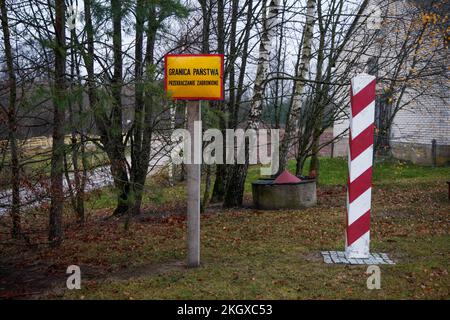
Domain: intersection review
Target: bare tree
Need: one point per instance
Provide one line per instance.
(59, 107)
(236, 180)
(303, 69)
(12, 123)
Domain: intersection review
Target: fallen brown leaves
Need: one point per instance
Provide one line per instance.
(105, 250)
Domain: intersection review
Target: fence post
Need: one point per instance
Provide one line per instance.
(332, 150)
(433, 153)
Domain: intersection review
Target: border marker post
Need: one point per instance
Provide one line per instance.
(359, 191)
(360, 161)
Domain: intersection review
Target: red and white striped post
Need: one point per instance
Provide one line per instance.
(360, 160)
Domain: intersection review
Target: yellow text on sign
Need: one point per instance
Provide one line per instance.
(194, 77)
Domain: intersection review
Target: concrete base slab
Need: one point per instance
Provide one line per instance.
(338, 257)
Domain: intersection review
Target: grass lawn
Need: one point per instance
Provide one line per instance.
(248, 253)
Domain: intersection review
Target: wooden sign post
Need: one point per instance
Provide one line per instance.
(194, 78)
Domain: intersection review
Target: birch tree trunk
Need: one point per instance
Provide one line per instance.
(317, 131)
(235, 184)
(303, 69)
(278, 103)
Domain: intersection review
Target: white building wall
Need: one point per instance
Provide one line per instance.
(427, 119)
(421, 120)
